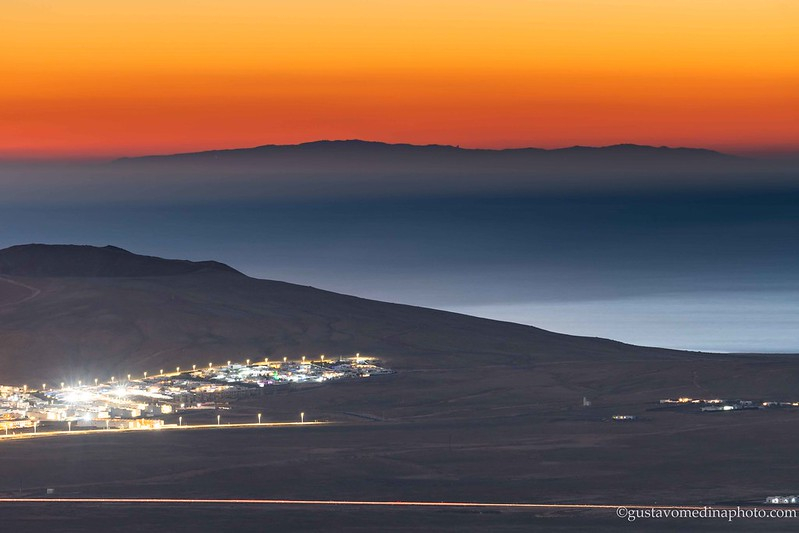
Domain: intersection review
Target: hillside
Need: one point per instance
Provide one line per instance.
(78, 312)
(70, 311)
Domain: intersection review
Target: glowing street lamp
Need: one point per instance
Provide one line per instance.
(62, 385)
(69, 425)
(95, 381)
(302, 418)
(228, 363)
(259, 419)
(210, 365)
(145, 374)
(285, 359)
(44, 386)
(177, 369)
(180, 421)
(128, 377)
(162, 371)
(248, 362)
(218, 419)
(194, 367)
(112, 379)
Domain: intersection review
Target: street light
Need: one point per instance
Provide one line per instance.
(128, 377)
(162, 371)
(180, 421)
(228, 363)
(218, 419)
(285, 359)
(145, 374)
(69, 425)
(177, 369)
(248, 362)
(95, 381)
(259, 419)
(302, 418)
(194, 367)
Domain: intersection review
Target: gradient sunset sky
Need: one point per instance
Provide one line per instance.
(106, 78)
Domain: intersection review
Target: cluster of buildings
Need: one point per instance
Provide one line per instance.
(783, 500)
(143, 402)
(624, 418)
(15, 403)
(718, 404)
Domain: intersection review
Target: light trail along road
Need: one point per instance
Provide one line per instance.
(363, 503)
(171, 427)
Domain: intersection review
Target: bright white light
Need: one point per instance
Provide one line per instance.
(77, 396)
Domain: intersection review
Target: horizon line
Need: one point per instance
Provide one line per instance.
(775, 152)
(77, 157)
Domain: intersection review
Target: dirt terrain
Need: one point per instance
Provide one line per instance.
(543, 454)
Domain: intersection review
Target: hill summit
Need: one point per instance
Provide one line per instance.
(80, 261)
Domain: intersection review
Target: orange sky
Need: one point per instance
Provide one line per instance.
(107, 78)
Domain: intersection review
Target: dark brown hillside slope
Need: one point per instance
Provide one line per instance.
(104, 326)
(136, 314)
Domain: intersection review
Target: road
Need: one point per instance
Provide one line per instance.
(252, 425)
(34, 292)
(368, 503)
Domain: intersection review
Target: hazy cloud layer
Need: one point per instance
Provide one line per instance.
(355, 169)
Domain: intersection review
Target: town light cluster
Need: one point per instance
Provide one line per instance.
(143, 402)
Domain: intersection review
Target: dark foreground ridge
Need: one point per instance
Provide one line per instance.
(72, 311)
(41, 260)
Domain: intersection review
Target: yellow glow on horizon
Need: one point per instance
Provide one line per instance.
(93, 76)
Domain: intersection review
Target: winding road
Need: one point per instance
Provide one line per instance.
(34, 292)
